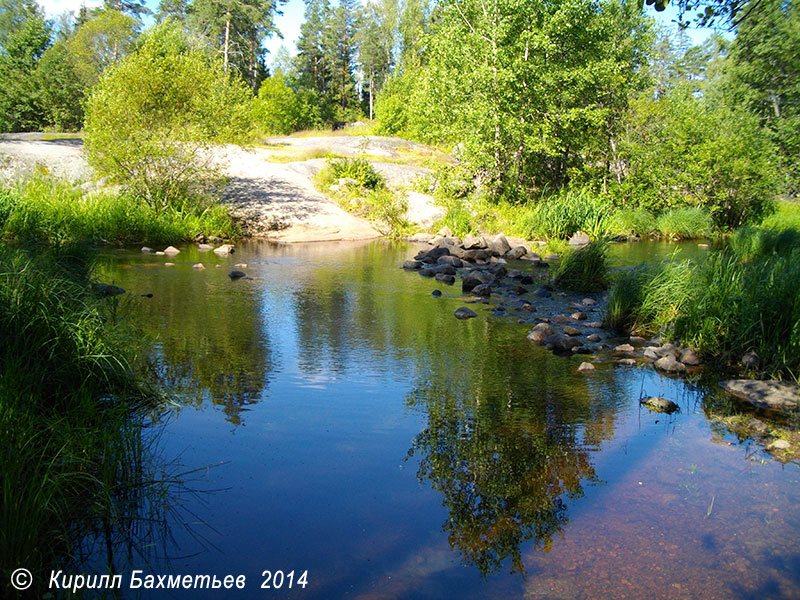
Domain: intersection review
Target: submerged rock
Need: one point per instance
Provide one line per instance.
(561, 343)
(224, 250)
(106, 290)
(658, 404)
(199, 266)
(445, 278)
(412, 265)
(436, 293)
(465, 313)
(773, 395)
(586, 367)
(624, 348)
(236, 275)
(204, 247)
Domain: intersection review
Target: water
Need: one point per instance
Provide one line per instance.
(354, 429)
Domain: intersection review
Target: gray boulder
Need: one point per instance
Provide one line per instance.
(580, 238)
(474, 279)
(658, 404)
(499, 245)
(689, 357)
(465, 313)
(412, 265)
(517, 253)
(669, 364)
(445, 278)
(560, 343)
(541, 332)
(773, 395)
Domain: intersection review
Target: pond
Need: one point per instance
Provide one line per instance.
(341, 421)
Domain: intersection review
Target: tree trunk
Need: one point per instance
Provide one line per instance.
(371, 89)
(227, 39)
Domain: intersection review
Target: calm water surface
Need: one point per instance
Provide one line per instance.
(345, 423)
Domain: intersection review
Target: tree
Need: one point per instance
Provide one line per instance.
(22, 48)
(61, 92)
(341, 46)
(236, 28)
(100, 42)
(150, 120)
(376, 43)
(312, 62)
(765, 77)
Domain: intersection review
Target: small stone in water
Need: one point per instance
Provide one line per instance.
(626, 348)
(199, 267)
(436, 293)
(236, 274)
(465, 313)
(171, 250)
(169, 264)
(585, 367)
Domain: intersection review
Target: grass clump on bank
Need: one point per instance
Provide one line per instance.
(57, 212)
(740, 299)
(584, 269)
(73, 453)
(360, 189)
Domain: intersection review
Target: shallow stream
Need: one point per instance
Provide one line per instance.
(344, 423)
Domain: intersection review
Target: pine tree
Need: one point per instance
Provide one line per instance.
(341, 46)
(312, 63)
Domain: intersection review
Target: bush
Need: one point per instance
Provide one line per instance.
(636, 221)
(359, 169)
(584, 269)
(151, 118)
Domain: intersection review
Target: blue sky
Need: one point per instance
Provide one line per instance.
(289, 23)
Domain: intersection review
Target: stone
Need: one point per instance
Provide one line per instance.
(427, 272)
(773, 395)
(589, 301)
(494, 260)
(529, 307)
(637, 340)
(171, 250)
(658, 404)
(651, 354)
(412, 265)
(560, 319)
(624, 348)
(516, 274)
(586, 367)
(224, 250)
(159, 253)
(580, 238)
(498, 270)
(593, 338)
(578, 316)
(517, 252)
(689, 357)
(169, 264)
(422, 210)
(750, 361)
(445, 232)
(779, 445)
(421, 237)
(499, 245)
(199, 266)
(517, 290)
(236, 275)
(526, 279)
(540, 333)
(444, 269)
(542, 292)
(432, 255)
(669, 364)
(594, 324)
(483, 290)
(571, 331)
(450, 260)
(445, 278)
(147, 250)
(436, 293)
(581, 350)
(627, 362)
(703, 246)
(476, 278)
(447, 242)
(552, 257)
(204, 247)
(472, 242)
(561, 343)
(465, 313)
(475, 255)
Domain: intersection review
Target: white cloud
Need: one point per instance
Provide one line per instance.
(53, 8)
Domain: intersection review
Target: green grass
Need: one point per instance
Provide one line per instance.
(684, 223)
(561, 215)
(53, 211)
(584, 269)
(786, 216)
(635, 221)
(740, 299)
(73, 453)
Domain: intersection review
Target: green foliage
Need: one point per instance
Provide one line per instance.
(684, 223)
(751, 243)
(58, 213)
(484, 73)
(100, 43)
(584, 269)
(19, 55)
(786, 216)
(765, 78)
(357, 168)
(281, 110)
(151, 119)
(680, 150)
(61, 93)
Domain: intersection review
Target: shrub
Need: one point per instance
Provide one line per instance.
(359, 169)
(151, 118)
(636, 221)
(584, 269)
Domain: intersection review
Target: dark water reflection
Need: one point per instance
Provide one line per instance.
(396, 452)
